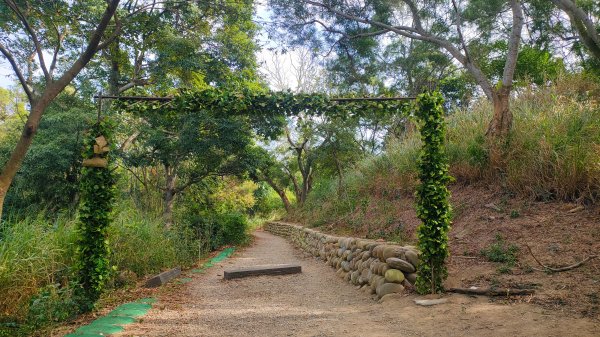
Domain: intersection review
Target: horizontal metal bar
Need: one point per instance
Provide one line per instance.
(135, 98)
(168, 98)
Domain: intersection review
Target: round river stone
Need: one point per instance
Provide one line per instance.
(394, 276)
(397, 263)
(412, 257)
(389, 288)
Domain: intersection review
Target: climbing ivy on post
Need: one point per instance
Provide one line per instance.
(432, 195)
(97, 191)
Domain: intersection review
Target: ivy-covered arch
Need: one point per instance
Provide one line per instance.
(266, 112)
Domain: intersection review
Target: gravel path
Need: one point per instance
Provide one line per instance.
(318, 303)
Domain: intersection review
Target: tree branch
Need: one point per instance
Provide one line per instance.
(459, 31)
(60, 37)
(418, 33)
(565, 268)
(582, 23)
(34, 38)
(13, 63)
(113, 36)
(133, 83)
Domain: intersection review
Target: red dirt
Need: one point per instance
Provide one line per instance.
(556, 236)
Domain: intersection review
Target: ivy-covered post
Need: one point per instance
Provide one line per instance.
(97, 191)
(433, 207)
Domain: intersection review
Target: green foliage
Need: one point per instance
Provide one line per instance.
(264, 110)
(500, 251)
(433, 207)
(534, 65)
(97, 197)
(53, 303)
(49, 176)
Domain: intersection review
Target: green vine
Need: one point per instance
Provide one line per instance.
(432, 194)
(265, 110)
(97, 195)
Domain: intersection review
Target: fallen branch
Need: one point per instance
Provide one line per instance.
(492, 291)
(557, 270)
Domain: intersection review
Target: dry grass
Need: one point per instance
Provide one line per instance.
(553, 153)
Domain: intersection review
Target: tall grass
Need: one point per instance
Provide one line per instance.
(140, 243)
(37, 257)
(33, 254)
(553, 152)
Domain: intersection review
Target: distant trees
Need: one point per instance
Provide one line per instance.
(189, 147)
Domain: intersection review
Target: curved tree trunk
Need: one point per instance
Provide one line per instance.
(281, 192)
(17, 156)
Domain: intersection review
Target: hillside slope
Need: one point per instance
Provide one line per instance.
(558, 233)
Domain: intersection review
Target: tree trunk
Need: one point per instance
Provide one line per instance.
(29, 130)
(502, 119)
(281, 192)
(499, 127)
(171, 179)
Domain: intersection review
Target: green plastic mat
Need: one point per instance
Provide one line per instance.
(126, 313)
(113, 322)
(225, 253)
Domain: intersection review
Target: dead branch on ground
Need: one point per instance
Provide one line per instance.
(559, 269)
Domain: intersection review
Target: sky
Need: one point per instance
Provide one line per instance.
(6, 74)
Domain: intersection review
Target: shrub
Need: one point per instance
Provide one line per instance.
(234, 227)
(501, 252)
(217, 229)
(53, 303)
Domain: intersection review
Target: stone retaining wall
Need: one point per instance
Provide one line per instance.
(379, 268)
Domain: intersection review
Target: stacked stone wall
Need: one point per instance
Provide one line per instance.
(379, 268)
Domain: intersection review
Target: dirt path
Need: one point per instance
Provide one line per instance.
(318, 303)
